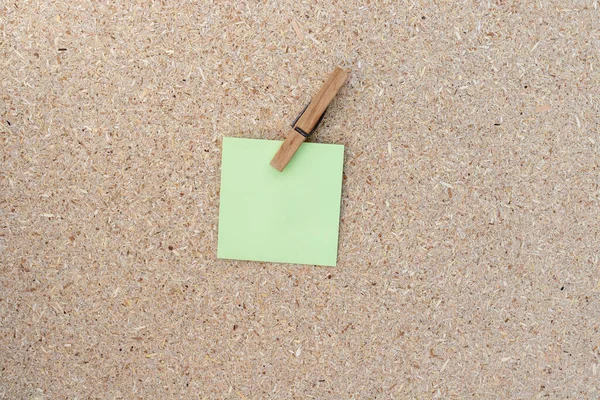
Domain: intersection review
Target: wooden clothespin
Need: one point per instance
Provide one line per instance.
(309, 118)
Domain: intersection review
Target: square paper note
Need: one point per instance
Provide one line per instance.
(290, 216)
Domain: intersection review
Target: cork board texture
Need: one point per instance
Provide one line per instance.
(468, 262)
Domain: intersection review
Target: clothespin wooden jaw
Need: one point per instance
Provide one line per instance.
(308, 119)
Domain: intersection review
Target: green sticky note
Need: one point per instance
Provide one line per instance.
(290, 216)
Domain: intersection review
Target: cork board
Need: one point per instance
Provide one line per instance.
(468, 250)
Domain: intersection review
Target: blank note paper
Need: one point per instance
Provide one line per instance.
(290, 216)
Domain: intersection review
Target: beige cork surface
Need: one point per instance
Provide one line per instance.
(469, 239)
